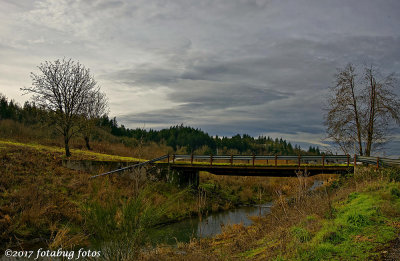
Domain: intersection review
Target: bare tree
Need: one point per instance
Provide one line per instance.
(96, 107)
(361, 109)
(382, 107)
(343, 119)
(63, 87)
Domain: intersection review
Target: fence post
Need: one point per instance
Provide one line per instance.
(211, 159)
(276, 160)
(254, 159)
(323, 161)
(299, 157)
(231, 159)
(348, 160)
(355, 160)
(191, 159)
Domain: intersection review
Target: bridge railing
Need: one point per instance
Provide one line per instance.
(265, 160)
(379, 162)
(133, 166)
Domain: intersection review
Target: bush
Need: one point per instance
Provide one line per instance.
(358, 220)
(301, 234)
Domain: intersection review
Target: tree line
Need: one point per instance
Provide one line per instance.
(181, 138)
(193, 140)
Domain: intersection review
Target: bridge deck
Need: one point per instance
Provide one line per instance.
(267, 171)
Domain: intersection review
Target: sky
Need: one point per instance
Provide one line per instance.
(227, 66)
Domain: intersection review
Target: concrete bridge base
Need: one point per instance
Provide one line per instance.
(182, 178)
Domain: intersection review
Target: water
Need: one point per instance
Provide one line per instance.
(317, 184)
(211, 225)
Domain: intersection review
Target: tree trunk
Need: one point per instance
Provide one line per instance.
(87, 143)
(370, 130)
(357, 118)
(66, 143)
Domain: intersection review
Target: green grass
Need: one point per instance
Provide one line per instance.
(76, 154)
(359, 228)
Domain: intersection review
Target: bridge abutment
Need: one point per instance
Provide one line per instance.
(181, 177)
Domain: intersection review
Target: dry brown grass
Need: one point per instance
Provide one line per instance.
(34, 194)
(103, 142)
(41, 202)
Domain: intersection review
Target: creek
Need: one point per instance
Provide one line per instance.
(211, 224)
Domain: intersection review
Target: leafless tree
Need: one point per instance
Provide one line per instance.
(63, 87)
(361, 109)
(96, 107)
(382, 107)
(343, 118)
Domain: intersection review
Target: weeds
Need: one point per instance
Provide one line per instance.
(119, 229)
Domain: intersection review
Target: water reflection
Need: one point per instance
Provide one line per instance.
(209, 226)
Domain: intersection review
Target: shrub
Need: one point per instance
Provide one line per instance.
(301, 234)
(358, 220)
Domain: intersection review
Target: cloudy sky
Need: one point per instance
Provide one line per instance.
(227, 66)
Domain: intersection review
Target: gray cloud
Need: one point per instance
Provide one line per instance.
(226, 66)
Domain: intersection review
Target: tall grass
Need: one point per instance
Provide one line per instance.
(119, 228)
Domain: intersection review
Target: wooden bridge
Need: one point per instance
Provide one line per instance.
(269, 166)
(184, 169)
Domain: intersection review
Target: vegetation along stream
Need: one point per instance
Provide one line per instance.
(211, 224)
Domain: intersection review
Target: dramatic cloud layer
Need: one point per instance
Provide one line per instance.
(227, 67)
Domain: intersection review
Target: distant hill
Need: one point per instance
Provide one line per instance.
(188, 140)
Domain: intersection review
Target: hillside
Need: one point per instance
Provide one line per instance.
(43, 204)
